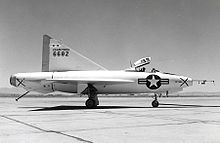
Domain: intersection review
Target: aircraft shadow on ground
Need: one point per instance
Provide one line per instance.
(64, 107)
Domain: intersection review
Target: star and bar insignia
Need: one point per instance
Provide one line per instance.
(153, 81)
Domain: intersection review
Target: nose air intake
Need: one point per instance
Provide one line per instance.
(13, 80)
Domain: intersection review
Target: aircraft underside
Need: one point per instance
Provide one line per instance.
(92, 91)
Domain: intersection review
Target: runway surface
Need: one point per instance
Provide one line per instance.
(118, 120)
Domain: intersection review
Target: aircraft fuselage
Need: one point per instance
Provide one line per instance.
(116, 81)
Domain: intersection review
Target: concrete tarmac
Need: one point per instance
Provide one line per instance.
(116, 120)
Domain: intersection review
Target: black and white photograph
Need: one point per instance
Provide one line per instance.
(109, 71)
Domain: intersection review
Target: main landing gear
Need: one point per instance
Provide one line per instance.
(155, 103)
(93, 101)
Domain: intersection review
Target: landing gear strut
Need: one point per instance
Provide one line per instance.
(93, 101)
(155, 103)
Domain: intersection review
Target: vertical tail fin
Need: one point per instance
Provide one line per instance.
(58, 57)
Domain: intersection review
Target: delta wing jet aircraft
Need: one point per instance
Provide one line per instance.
(64, 69)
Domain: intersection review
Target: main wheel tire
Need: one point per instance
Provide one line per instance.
(155, 103)
(90, 103)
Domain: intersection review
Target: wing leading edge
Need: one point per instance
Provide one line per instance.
(92, 81)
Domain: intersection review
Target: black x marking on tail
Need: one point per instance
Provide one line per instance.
(184, 82)
(20, 82)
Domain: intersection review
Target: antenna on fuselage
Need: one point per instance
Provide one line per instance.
(130, 63)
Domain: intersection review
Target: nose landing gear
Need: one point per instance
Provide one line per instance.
(155, 103)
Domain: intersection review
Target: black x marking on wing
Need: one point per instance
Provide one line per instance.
(20, 82)
(184, 82)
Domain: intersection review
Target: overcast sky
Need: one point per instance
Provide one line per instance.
(181, 36)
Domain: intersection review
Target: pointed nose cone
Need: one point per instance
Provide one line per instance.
(13, 80)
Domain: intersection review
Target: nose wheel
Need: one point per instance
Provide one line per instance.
(155, 103)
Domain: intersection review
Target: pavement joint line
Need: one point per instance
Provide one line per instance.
(48, 131)
(137, 126)
(166, 118)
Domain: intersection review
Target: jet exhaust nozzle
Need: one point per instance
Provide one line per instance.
(13, 80)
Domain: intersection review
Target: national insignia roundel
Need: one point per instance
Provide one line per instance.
(153, 81)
